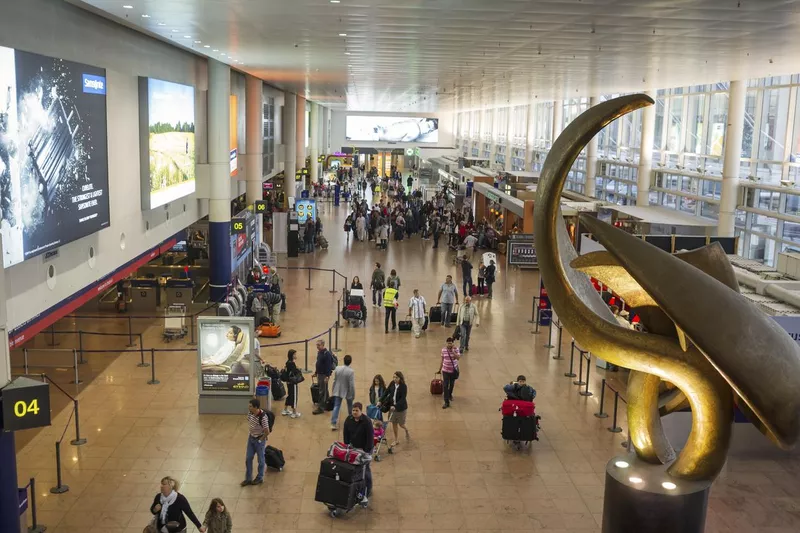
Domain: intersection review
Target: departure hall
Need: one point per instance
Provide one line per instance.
(360, 265)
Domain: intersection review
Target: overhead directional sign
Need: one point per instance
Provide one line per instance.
(238, 226)
(26, 405)
(260, 206)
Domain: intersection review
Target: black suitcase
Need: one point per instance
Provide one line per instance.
(341, 471)
(274, 458)
(338, 494)
(329, 403)
(436, 314)
(520, 428)
(316, 392)
(425, 325)
(278, 389)
(404, 325)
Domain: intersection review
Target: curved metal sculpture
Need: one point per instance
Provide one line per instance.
(703, 337)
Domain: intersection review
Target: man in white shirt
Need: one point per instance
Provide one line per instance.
(416, 310)
(470, 242)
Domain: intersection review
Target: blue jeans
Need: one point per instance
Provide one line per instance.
(466, 329)
(337, 404)
(467, 286)
(255, 447)
(447, 310)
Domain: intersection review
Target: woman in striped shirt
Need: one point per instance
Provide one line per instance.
(449, 370)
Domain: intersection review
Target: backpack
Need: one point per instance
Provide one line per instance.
(270, 419)
(334, 359)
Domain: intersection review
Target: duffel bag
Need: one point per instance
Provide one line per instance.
(348, 454)
(517, 408)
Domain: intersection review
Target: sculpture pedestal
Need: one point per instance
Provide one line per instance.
(637, 502)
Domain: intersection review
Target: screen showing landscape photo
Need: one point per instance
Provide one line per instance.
(171, 141)
(392, 129)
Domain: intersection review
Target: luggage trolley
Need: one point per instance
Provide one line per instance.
(520, 423)
(354, 307)
(174, 322)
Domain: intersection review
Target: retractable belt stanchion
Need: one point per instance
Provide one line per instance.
(600, 413)
(571, 373)
(558, 351)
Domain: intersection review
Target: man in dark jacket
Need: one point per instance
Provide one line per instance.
(359, 433)
(323, 371)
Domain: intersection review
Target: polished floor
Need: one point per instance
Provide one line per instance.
(454, 474)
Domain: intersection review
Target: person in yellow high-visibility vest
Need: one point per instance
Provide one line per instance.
(390, 294)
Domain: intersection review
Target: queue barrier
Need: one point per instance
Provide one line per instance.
(305, 342)
(30, 489)
(601, 414)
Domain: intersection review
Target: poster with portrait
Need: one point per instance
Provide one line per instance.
(225, 355)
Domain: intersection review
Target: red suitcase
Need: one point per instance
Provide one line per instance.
(437, 387)
(517, 408)
(474, 290)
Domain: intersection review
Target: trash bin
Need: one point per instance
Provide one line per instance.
(263, 395)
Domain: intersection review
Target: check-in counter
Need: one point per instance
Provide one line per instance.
(144, 294)
(179, 291)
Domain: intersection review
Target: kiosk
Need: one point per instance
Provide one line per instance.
(144, 294)
(225, 364)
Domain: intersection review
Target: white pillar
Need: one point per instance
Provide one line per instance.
(558, 119)
(313, 143)
(509, 138)
(731, 162)
(219, 204)
(290, 146)
(254, 158)
(591, 160)
(324, 127)
(300, 117)
(646, 154)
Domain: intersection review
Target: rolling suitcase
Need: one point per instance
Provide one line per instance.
(437, 386)
(274, 458)
(425, 325)
(519, 428)
(316, 391)
(436, 313)
(340, 470)
(338, 494)
(278, 389)
(517, 408)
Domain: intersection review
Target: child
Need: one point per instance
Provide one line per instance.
(218, 519)
(378, 431)
(292, 373)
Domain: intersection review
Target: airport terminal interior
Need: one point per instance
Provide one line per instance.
(189, 191)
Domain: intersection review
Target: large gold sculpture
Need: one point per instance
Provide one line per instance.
(705, 343)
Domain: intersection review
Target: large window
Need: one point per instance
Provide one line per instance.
(268, 146)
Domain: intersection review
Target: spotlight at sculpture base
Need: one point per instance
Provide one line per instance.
(643, 498)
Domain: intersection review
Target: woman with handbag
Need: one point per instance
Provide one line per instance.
(394, 400)
(292, 376)
(449, 370)
(376, 392)
(169, 507)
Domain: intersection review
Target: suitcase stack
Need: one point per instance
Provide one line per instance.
(340, 485)
(520, 422)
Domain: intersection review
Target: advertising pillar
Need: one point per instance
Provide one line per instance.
(225, 364)
(290, 138)
(731, 162)
(646, 154)
(254, 162)
(219, 205)
(9, 506)
(313, 143)
(591, 160)
(300, 136)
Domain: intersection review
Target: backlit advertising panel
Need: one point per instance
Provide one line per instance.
(225, 355)
(392, 129)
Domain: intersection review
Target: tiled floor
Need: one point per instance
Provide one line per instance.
(455, 474)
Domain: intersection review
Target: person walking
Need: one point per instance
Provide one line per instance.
(377, 285)
(447, 298)
(344, 388)
(393, 280)
(467, 317)
(293, 377)
(258, 427)
(466, 276)
(358, 432)
(490, 276)
(470, 243)
(481, 277)
(449, 370)
(169, 505)
(390, 296)
(218, 518)
(416, 310)
(395, 399)
(322, 371)
(383, 233)
(436, 229)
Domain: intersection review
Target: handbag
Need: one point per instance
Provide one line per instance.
(151, 527)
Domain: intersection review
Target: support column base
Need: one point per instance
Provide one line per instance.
(645, 506)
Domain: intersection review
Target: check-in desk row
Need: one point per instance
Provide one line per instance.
(147, 294)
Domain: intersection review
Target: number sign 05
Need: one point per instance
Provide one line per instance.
(238, 226)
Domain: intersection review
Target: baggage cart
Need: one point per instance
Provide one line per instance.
(174, 322)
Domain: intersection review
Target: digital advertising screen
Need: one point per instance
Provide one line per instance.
(392, 129)
(225, 352)
(305, 209)
(166, 127)
(234, 135)
(53, 153)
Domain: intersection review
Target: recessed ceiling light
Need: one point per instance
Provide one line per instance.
(349, 65)
(162, 23)
(206, 46)
(145, 16)
(222, 54)
(198, 42)
(342, 35)
(669, 485)
(336, 2)
(215, 50)
(127, 7)
(187, 36)
(175, 31)
(635, 480)
(347, 53)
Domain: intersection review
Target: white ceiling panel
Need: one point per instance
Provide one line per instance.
(439, 55)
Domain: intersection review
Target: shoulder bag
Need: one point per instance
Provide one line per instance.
(456, 372)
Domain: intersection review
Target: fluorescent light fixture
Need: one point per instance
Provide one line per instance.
(621, 464)
(126, 6)
(145, 16)
(198, 42)
(336, 2)
(206, 46)
(223, 54)
(215, 50)
(635, 480)
(187, 36)
(342, 35)
(669, 485)
(162, 23)
(347, 53)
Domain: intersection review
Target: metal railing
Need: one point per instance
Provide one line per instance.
(304, 342)
(35, 527)
(602, 414)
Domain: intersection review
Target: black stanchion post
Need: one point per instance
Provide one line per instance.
(337, 342)
(130, 332)
(600, 413)
(78, 440)
(330, 338)
(309, 280)
(60, 488)
(77, 380)
(571, 373)
(549, 332)
(533, 310)
(614, 427)
(338, 312)
(192, 342)
(80, 347)
(580, 371)
(25, 359)
(586, 391)
(53, 335)
(35, 527)
(306, 347)
(538, 319)
(334, 282)
(558, 352)
(142, 363)
(153, 380)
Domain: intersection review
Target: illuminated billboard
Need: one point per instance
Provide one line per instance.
(392, 129)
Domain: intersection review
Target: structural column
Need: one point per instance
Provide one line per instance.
(313, 143)
(300, 146)
(558, 119)
(731, 162)
(509, 138)
(646, 154)
(219, 205)
(290, 146)
(591, 160)
(254, 158)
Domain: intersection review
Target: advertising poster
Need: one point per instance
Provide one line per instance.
(392, 129)
(522, 251)
(170, 142)
(53, 153)
(225, 355)
(242, 244)
(234, 136)
(306, 208)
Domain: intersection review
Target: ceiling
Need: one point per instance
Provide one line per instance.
(441, 55)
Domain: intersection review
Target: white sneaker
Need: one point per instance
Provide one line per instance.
(295, 415)
(334, 428)
(417, 336)
(285, 412)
